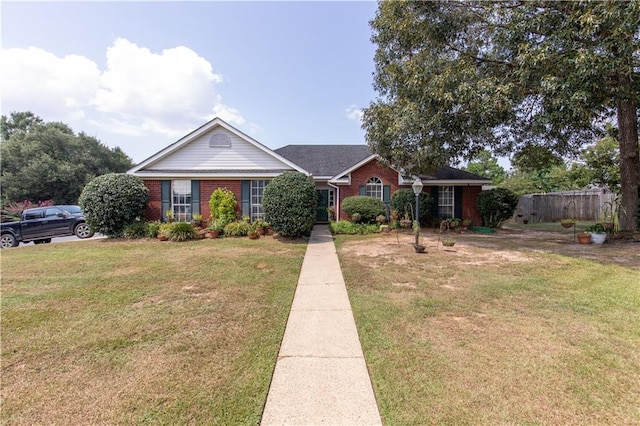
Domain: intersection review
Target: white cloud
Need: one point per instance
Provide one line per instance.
(354, 113)
(35, 80)
(139, 93)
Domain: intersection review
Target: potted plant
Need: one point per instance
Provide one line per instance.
(448, 242)
(169, 216)
(467, 223)
(260, 226)
(214, 230)
(584, 238)
(567, 222)
(598, 233)
(405, 222)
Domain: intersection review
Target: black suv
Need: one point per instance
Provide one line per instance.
(41, 224)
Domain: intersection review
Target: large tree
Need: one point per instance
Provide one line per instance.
(42, 161)
(486, 165)
(455, 77)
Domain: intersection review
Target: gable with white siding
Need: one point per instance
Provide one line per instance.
(201, 155)
(215, 149)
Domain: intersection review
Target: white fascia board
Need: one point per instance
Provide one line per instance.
(199, 132)
(345, 180)
(454, 182)
(338, 178)
(198, 176)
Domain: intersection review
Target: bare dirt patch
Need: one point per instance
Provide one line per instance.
(505, 246)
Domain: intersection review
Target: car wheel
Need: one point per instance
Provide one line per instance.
(83, 231)
(8, 240)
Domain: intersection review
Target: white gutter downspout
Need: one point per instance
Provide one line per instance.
(336, 200)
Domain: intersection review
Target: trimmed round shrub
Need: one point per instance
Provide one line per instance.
(496, 206)
(290, 203)
(112, 201)
(405, 199)
(367, 207)
(222, 204)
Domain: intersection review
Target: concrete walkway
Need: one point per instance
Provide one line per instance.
(321, 376)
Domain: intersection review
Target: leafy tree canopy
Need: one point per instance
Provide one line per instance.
(42, 161)
(486, 165)
(456, 76)
(602, 162)
(533, 158)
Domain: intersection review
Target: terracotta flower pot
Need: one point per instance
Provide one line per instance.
(584, 238)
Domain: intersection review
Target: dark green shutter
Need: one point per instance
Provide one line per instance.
(195, 197)
(362, 190)
(386, 198)
(245, 197)
(434, 195)
(165, 197)
(457, 202)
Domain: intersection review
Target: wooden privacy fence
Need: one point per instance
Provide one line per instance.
(589, 205)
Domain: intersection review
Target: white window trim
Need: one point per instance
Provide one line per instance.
(451, 206)
(181, 210)
(255, 208)
(374, 185)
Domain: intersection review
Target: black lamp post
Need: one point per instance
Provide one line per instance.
(417, 189)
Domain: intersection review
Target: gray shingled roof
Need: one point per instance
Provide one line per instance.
(449, 173)
(324, 160)
(330, 160)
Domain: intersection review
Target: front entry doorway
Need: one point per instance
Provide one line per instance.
(322, 215)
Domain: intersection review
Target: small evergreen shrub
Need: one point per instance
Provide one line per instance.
(112, 201)
(405, 199)
(289, 204)
(222, 204)
(367, 207)
(350, 228)
(136, 230)
(496, 206)
(238, 229)
(181, 231)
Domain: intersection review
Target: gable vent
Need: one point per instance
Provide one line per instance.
(219, 140)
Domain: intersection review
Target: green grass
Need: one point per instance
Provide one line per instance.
(136, 332)
(495, 336)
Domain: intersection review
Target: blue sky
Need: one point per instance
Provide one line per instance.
(141, 75)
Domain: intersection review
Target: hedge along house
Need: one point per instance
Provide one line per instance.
(182, 176)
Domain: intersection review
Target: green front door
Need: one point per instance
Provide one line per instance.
(322, 215)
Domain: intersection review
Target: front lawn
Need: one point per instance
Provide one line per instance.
(513, 328)
(126, 332)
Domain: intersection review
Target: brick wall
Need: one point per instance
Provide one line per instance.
(154, 207)
(470, 204)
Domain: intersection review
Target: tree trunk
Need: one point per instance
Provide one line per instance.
(629, 162)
